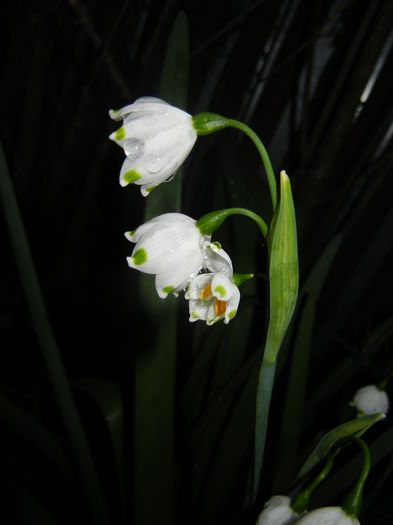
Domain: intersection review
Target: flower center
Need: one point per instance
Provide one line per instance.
(219, 306)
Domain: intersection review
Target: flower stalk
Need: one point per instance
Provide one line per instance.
(206, 123)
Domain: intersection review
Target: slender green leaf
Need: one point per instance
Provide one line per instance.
(154, 468)
(25, 426)
(107, 396)
(295, 397)
(283, 289)
(353, 428)
(48, 346)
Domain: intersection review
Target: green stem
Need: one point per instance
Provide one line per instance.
(206, 123)
(353, 501)
(48, 345)
(209, 223)
(271, 179)
(264, 394)
(301, 501)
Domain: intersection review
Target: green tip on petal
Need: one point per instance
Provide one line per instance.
(168, 289)
(139, 257)
(131, 176)
(119, 134)
(220, 290)
(145, 191)
(217, 244)
(194, 315)
(231, 314)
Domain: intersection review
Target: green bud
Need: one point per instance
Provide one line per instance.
(207, 123)
(283, 270)
(210, 222)
(240, 278)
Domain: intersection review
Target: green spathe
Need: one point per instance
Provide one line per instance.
(283, 270)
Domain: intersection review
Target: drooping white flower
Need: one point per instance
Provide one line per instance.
(156, 138)
(212, 295)
(277, 511)
(328, 516)
(171, 247)
(370, 400)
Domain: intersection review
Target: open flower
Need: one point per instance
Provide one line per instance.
(328, 516)
(212, 295)
(156, 137)
(370, 400)
(277, 511)
(171, 247)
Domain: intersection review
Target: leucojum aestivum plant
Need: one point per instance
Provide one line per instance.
(179, 251)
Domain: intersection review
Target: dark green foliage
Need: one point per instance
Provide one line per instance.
(295, 73)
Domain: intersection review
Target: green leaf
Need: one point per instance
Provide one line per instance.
(283, 284)
(108, 398)
(155, 364)
(26, 427)
(283, 270)
(353, 428)
(292, 417)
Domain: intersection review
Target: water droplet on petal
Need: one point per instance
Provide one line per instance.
(153, 165)
(133, 148)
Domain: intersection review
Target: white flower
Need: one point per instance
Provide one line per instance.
(171, 247)
(370, 400)
(156, 137)
(277, 511)
(213, 296)
(328, 516)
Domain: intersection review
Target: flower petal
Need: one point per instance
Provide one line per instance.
(177, 278)
(217, 260)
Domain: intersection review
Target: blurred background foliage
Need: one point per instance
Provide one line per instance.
(314, 80)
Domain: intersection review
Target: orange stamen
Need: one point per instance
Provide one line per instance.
(220, 307)
(206, 292)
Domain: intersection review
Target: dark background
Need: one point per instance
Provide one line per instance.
(296, 72)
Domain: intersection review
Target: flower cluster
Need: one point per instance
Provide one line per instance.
(172, 248)
(278, 511)
(156, 138)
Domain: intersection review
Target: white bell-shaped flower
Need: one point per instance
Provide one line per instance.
(370, 400)
(277, 511)
(328, 516)
(171, 247)
(212, 295)
(156, 138)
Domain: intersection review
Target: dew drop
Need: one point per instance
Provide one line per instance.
(133, 148)
(153, 165)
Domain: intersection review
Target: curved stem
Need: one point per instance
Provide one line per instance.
(301, 501)
(206, 123)
(251, 215)
(209, 223)
(271, 180)
(352, 502)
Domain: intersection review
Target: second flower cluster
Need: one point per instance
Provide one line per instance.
(172, 248)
